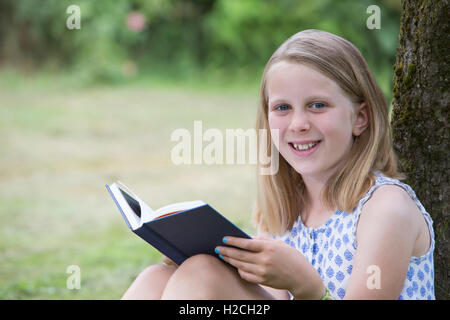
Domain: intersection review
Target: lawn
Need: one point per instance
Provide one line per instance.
(60, 145)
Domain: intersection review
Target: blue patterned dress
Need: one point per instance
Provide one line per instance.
(331, 249)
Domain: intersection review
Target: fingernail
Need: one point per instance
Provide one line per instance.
(221, 256)
(217, 251)
(224, 239)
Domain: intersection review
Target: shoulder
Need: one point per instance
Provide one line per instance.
(391, 193)
(389, 211)
(389, 203)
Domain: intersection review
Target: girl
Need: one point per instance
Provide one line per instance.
(334, 222)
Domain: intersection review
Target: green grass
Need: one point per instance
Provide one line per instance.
(60, 143)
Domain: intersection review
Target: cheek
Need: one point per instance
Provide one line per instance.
(338, 130)
(276, 126)
(277, 122)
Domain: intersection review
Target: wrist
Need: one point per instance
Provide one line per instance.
(327, 295)
(315, 291)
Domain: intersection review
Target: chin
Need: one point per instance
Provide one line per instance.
(304, 168)
(306, 172)
(308, 168)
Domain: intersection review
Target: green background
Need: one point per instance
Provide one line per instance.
(83, 108)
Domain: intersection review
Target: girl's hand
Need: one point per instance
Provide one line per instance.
(168, 261)
(273, 263)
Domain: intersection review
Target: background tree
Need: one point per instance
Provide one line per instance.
(420, 117)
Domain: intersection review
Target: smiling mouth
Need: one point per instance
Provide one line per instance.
(304, 147)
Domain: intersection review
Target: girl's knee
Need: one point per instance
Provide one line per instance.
(205, 268)
(150, 283)
(202, 262)
(200, 276)
(156, 270)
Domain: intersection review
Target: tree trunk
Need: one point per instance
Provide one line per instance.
(420, 117)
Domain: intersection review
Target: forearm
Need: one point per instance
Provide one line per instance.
(311, 288)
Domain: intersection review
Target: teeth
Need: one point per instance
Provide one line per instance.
(304, 146)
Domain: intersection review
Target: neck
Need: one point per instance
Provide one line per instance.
(314, 187)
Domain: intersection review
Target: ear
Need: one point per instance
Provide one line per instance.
(361, 121)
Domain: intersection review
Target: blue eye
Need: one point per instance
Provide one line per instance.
(319, 105)
(282, 107)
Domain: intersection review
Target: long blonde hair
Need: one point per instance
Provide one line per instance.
(282, 196)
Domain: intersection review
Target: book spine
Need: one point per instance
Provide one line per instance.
(161, 244)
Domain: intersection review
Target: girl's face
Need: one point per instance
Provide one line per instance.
(316, 120)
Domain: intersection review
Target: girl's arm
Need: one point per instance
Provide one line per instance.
(386, 233)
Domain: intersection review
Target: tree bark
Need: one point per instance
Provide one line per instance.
(420, 117)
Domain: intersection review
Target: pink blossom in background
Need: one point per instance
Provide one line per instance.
(136, 21)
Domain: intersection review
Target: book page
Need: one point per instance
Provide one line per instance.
(142, 213)
(146, 212)
(180, 206)
(125, 208)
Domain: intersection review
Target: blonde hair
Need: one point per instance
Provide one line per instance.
(281, 196)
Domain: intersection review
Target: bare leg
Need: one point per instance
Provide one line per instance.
(150, 283)
(206, 277)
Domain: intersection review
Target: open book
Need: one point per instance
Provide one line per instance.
(178, 230)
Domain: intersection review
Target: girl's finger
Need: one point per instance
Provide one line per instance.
(250, 277)
(244, 270)
(254, 245)
(237, 254)
(168, 261)
(242, 265)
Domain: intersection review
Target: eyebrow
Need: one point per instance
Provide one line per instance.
(313, 97)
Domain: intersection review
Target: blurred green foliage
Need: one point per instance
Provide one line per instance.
(183, 38)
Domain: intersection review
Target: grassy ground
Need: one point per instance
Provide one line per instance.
(61, 144)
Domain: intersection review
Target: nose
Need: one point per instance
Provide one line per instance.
(299, 122)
